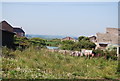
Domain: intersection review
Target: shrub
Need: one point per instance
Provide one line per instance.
(83, 38)
(98, 52)
(37, 42)
(83, 44)
(21, 42)
(67, 45)
(111, 48)
(110, 54)
(6, 52)
(43, 64)
(53, 42)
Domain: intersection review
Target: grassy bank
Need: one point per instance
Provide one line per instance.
(42, 64)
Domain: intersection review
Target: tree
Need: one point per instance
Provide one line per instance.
(37, 42)
(67, 45)
(53, 42)
(82, 38)
(67, 42)
(84, 43)
(21, 42)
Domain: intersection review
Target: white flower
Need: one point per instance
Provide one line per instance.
(18, 68)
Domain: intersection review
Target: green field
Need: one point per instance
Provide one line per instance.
(42, 64)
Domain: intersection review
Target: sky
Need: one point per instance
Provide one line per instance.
(61, 18)
(60, 0)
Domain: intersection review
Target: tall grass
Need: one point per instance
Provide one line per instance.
(42, 64)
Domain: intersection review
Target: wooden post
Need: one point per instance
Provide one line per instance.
(118, 55)
(118, 51)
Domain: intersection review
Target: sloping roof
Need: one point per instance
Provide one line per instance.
(2, 23)
(68, 38)
(91, 36)
(2, 26)
(18, 30)
(6, 23)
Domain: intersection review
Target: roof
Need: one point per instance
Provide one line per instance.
(6, 23)
(5, 29)
(18, 30)
(14, 29)
(112, 28)
(92, 36)
(103, 43)
(1, 22)
(68, 38)
(50, 47)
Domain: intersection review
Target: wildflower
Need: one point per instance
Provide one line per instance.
(18, 68)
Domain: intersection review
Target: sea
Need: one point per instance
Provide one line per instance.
(49, 37)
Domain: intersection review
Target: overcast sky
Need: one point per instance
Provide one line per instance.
(61, 18)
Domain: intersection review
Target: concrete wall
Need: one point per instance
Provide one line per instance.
(111, 36)
(112, 30)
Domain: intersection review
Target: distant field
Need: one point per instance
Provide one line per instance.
(42, 64)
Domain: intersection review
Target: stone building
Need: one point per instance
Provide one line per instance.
(112, 36)
(68, 38)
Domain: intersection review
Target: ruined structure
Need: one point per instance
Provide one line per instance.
(68, 38)
(112, 36)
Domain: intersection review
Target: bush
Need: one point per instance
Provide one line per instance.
(87, 44)
(53, 42)
(67, 45)
(37, 42)
(111, 48)
(111, 54)
(21, 42)
(70, 45)
(43, 64)
(6, 52)
(98, 52)
(83, 38)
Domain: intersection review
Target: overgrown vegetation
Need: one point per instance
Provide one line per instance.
(83, 43)
(31, 60)
(37, 42)
(43, 64)
(53, 42)
(22, 42)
